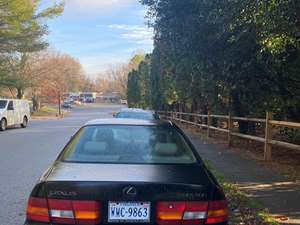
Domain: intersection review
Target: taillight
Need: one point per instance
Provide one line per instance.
(37, 210)
(170, 213)
(177, 213)
(64, 211)
(191, 213)
(195, 213)
(217, 212)
(61, 211)
(87, 212)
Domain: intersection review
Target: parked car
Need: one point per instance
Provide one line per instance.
(117, 171)
(132, 113)
(14, 112)
(67, 105)
(70, 100)
(123, 101)
(76, 102)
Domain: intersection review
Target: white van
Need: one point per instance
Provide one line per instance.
(14, 112)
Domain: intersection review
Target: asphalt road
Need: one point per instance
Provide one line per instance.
(26, 153)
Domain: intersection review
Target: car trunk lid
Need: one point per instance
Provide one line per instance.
(109, 181)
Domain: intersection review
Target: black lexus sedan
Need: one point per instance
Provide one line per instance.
(119, 171)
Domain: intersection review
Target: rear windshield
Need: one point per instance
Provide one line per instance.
(136, 115)
(129, 144)
(3, 104)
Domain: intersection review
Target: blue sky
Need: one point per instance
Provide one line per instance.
(100, 33)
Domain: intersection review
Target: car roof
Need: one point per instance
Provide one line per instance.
(12, 99)
(135, 110)
(138, 122)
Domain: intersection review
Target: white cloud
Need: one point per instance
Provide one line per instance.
(142, 12)
(95, 65)
(140, 35)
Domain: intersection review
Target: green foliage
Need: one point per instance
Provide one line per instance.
(136, 59)
(249, 211)
(139, 84)
(5, 79)
(220, 56)
(133, 91)
(22, 27)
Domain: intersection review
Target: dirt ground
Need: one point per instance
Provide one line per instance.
(285, 162)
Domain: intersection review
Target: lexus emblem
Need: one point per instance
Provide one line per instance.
(130, 191)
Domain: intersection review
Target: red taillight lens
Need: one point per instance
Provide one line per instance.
(87, 212)
(195, 213)
(37, 210)
(64, 211)
(177, 213)
(170, 213)
(217, 212)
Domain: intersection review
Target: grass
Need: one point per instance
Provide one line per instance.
(46, 111)
(244, 209)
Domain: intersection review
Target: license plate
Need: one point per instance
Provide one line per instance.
(132, 212)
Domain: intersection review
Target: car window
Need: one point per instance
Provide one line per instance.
(10, 105)
(129, 144)
(135, 115)
(3, 104)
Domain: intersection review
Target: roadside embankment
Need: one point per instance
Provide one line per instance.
(48, 112)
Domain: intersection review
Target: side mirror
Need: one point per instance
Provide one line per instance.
(114, 115)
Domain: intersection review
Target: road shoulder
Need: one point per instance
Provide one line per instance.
(273, 191)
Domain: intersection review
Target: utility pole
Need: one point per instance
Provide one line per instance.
(59, 104)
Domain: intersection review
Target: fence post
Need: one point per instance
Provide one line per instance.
(181, 118)
(201, 123)
(194, 119)
(208, 124)
(268, 137)
(229, 130)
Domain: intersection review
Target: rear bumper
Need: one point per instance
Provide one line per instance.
(35, 223)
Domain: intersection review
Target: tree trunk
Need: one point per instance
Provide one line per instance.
(59, 104)
(20, 93)
(238, 110)
(36, 105)
(194, 106)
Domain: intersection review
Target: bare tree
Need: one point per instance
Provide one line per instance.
(116, 77)
(50, 74)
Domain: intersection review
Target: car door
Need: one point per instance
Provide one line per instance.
(26, 110)
(18, 112)
(10, 113)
